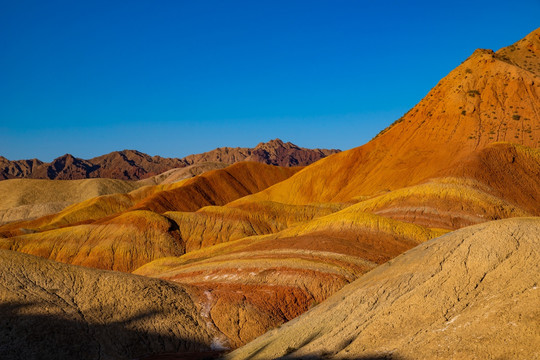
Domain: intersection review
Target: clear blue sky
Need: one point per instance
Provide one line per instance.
(180, 77)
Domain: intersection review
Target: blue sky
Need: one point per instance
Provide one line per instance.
(172, 78)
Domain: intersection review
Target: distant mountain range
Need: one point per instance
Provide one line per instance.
(134, 165)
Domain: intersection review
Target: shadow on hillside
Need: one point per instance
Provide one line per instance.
(208, 356)
(28, 332)
(367, 357)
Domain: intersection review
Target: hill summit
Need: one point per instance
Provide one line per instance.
(492, 97)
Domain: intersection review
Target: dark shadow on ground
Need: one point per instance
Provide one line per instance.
(217, 355)
(27, 335)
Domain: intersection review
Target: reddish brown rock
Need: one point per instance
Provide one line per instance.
(134, 165)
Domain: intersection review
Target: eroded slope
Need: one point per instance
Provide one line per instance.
(471, 294)
(484, 100)
(24, 199)
(50, 310)
(257, 283)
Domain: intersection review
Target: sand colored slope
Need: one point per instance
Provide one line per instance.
(28, 198)
(50, 310)
(484, 100)
(216, 187)
(254, 284)
(471, 294)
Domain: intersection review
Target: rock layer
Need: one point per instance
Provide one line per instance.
(124, 231)
(471, 294)
(256, 283)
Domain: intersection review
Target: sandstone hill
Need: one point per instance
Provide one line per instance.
(124, 231)
(50, 310)
(492, 97)
(471, 294)
(134, 165)
(24, 199)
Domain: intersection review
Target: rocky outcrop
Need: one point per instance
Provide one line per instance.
(18, 168)
(273, 152)
(276, 152)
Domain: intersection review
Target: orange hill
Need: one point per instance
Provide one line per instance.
(491, 97)
(446, 164)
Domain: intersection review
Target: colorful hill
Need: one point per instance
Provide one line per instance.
(436, 168)
(489, 98)
(469, 294)
(124, 231)
(257, 283)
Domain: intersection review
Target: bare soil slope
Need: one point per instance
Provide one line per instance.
(50, 310)
(257, 283)
(488, 98)
(471, 294)
(175, 175)
(24, 199)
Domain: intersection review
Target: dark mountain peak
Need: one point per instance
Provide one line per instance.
(64, 157)
(271, 143)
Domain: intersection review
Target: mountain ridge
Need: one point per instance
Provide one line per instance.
(135, 165)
